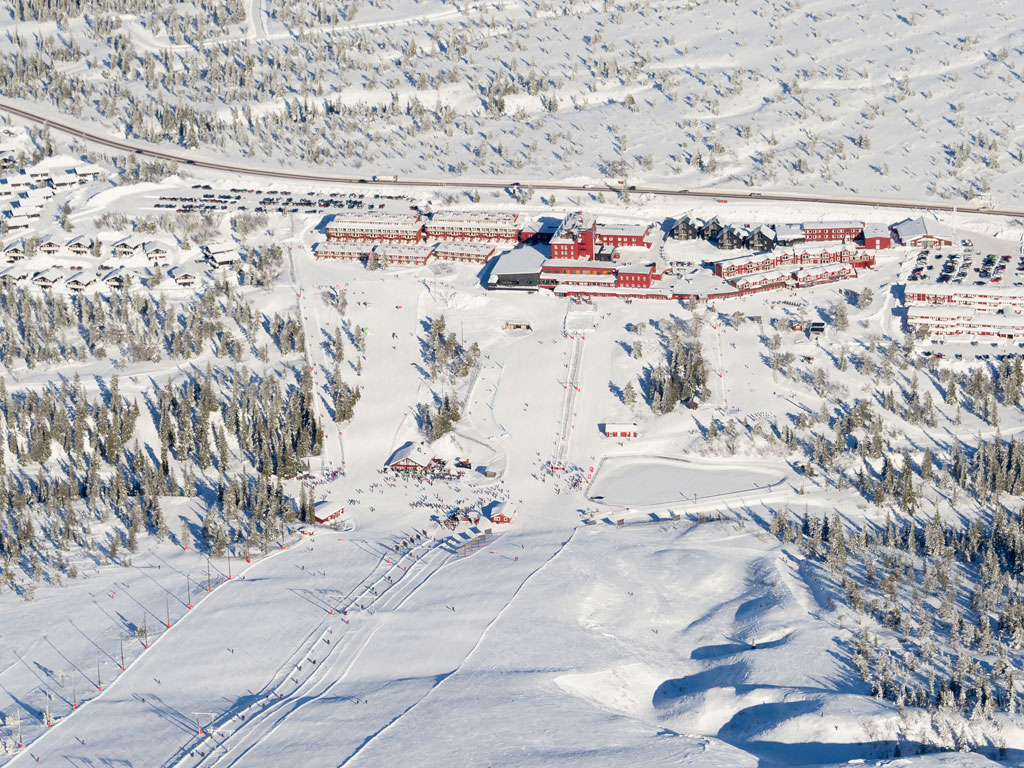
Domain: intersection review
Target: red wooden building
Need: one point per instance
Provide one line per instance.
(376, 226)
(819, 231)
(474, 225)
(621, 430)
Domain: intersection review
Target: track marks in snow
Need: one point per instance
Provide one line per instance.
(446, 676)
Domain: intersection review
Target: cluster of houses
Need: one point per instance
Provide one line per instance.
(78, 279)
(23, 195)
(83, 246)
(913, 233)
(768, 236)
(52, 262)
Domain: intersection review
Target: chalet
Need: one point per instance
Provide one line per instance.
(761, 239)
(50, 246)
(80, 246)
(12, 276)
(15, 251)
(412, 458)
(182, 277)
(688, 228)
(155, 250)
(711, 228)
(47, 278)
(620, 430)
(115, 278)
(732, 237)
(220, 254)
(877, 237)
(127, 247)
(19, 181)
(86, 172)
(62, 180)
(923, 233)
(79, 281)
(18, 223)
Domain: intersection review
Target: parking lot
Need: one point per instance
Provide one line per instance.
(965, 267)
(205, 199)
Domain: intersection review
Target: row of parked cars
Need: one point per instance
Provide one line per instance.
(960, 268)
(206, 202)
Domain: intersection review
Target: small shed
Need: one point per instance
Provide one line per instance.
(620, 430)
(326, 511)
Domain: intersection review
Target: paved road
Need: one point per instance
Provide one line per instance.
(183, 156)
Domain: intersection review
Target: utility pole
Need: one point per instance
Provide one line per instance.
(188, 601)
(99, 681)
(208, 587)
(74, 693)
(167, 607)
(122, 653)
(229, 566)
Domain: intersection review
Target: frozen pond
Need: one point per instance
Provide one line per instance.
(631, 480)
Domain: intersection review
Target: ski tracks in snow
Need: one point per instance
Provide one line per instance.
(443, 678)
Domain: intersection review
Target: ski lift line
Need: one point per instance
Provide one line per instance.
(305, 690)
(58, 722)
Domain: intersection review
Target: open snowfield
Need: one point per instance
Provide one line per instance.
(658, 643)
(655, 480)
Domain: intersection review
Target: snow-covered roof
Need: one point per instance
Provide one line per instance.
(155, 245)
(874, 229)
(636, 269)
(131, 242)
(823, 269)
(223, 246)
(590, 266)
(908, 229)
(414, 452)
(81, 240)
(620, 427)
(519, 261)
(176, 273)
(622, 230)
(469, 218)
(343, 248)
(463, 249)
(841, 224)
(789, 231)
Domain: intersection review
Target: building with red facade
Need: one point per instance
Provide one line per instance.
(796, 258)
(474, 225)
(376, 226)
(828, 231)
